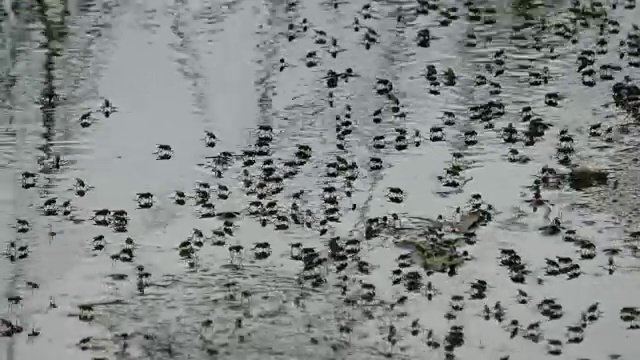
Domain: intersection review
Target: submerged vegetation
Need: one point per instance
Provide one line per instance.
(581, 178)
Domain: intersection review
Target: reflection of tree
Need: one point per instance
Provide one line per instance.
(265, 83)
(49, 100)
(12, 36)
(53, 19)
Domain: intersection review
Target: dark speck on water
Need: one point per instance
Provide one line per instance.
(339, 179)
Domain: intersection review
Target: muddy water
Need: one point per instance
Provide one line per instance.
(175, 69)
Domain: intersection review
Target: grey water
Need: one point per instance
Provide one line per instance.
(177, 68)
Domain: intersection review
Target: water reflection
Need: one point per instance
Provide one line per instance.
(264, 83)
(54, 34)
(49, 100)
(282, 309)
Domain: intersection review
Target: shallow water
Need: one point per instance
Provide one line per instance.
(176, 68)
